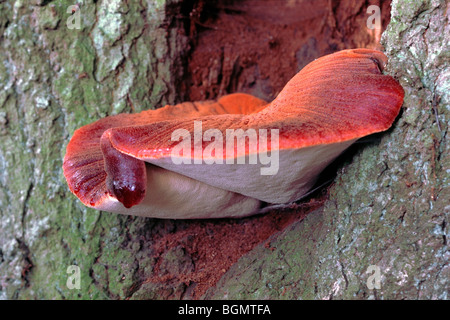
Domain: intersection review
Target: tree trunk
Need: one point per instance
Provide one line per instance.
(380, 232)
(383, 232)
(62, 67)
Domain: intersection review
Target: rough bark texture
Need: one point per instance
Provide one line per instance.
(388, 206)
(124, 57)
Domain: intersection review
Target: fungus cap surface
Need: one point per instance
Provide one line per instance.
(125, 163)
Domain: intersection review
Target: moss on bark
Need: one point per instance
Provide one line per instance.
(121, 57)
(389, 206)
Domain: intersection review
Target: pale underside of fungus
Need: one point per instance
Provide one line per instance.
(131, 163)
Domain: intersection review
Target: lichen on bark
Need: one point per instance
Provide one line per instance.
(122, 57)
(389, 206)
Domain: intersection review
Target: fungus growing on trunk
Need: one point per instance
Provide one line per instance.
(211, 159)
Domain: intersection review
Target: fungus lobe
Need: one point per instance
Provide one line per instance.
(125, 164)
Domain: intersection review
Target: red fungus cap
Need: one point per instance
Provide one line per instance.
(125, 163)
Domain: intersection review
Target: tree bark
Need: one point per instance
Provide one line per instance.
(65, 66)
(388, 211)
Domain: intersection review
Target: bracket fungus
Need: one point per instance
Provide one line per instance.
(131, 163)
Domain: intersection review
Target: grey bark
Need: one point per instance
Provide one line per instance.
(63, 67)
(388, 207)
(388, 211)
